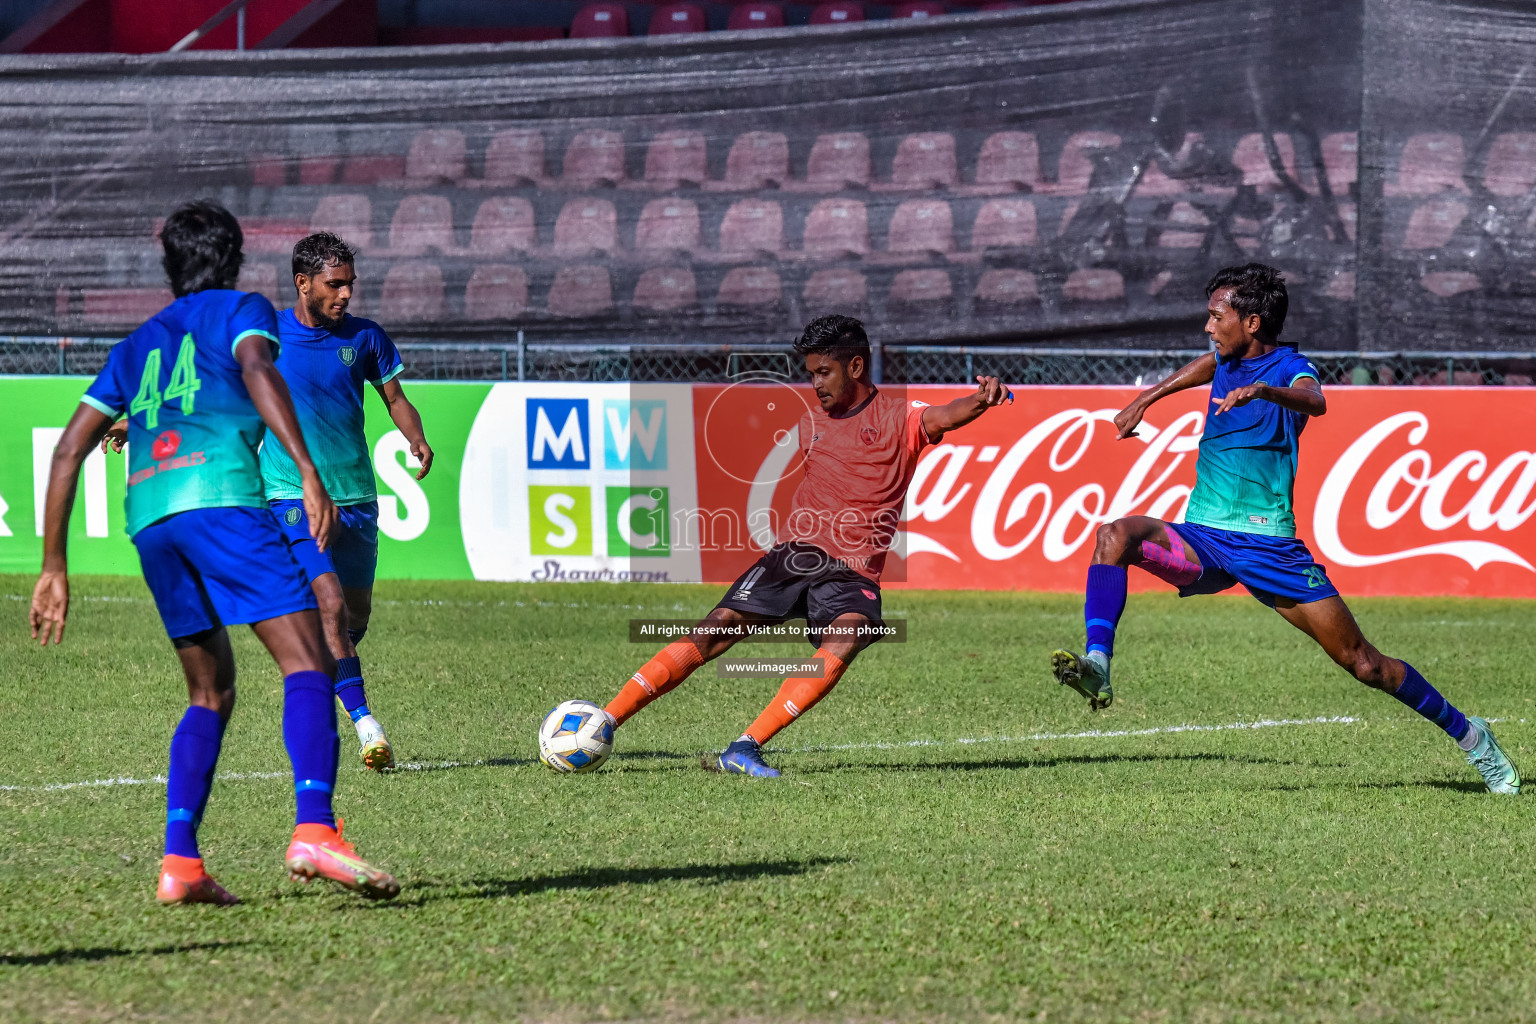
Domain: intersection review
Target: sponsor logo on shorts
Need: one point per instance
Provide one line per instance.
(292, 516)
(744, 592)
(347, 354)
(165, 445)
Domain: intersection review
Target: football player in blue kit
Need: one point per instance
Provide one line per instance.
(328, 355)
(199, 388)
(1240, 526)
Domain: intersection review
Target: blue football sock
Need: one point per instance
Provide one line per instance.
(1104, 605)
(309, 733)
(349, 687)
(194, 754)
(1426, 700)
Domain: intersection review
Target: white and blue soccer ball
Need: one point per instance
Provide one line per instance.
(577, 736)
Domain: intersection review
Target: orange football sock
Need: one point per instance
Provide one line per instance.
(671, 666)
(185, 869)
(796, 697)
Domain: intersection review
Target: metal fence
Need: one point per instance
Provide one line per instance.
(897, 364)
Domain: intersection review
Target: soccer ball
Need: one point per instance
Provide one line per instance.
(577, 736)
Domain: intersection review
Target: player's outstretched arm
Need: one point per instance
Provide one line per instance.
(1197, 372)
(1305, 395)
(939, 419)
(50, 598)
(270, 396)
(408, 421)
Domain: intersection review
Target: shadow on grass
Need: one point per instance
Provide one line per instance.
(96, 953)
(1011, 763)
(1456, 786)
(606, 878)
(418, 765)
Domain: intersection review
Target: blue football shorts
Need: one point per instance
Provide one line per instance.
(354, 552)
(1270, 567)
(210, 567)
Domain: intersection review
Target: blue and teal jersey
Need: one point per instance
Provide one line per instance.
(325, 372)
(193, 431)
(1246, 475)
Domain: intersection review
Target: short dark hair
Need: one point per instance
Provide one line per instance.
(1256, 288)
(835, 335)
(313, 253)
(202, 243)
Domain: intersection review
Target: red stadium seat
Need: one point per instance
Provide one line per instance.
(837, 162)
(1008, 161)
(123, 305)
(269, 234)
(1004, 224)
(1007, 287)
(1432, 162)
(496, 292)
(269, 170)
(665, 289)
(422, 223)
(675, 159)
(1076, 167)
(750, 286)
(756, 160)
(836, 228)
(1185, 229)
(924, 161)
(667, 226)
(1094, 284)
(1510, 169)
(586, 226)
(921, 286)
(755, 15)
(584, 290)
(262, 279)
(372, 170)
(677, 19)
(1341, 159)
(1432, 224)
(838, 12)
(594, 158)
(1250, 157)
(1448, 284)
(600, 21)
(502, 225)
(921, 227)
(413, 292)
(918, 10)
(834, 289)
(515, 158)
(318, 169)
(350, 216)
(752, 226)
(437, 157)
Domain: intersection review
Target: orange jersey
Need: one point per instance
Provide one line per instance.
(857, 470)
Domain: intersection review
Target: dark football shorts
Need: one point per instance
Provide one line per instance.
(799, 581)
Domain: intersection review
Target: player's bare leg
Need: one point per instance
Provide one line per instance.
(309, 732)
(209, 666)
(344, 613)
(1133, 541)
(1332, 625)
(844, 638)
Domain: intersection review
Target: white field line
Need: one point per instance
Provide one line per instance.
(427, 766)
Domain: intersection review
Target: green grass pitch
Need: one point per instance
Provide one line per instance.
(1315, 872)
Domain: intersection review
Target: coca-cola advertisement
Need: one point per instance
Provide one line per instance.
(1404, 491)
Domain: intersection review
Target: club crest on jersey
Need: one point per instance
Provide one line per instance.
(347, 354)
(869, 435)
(165, 445)
(291, 517)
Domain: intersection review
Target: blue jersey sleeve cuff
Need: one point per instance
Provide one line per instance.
(246, 334)
(100, 406)
(391, 375)
(1298, 376)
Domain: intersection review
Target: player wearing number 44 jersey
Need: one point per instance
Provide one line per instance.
(1240, 526)
(199, 388)
(860, 446)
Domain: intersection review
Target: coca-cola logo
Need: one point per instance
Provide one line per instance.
(165, 445)
(1412, 483)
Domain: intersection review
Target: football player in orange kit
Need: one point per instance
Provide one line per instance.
(860, 447)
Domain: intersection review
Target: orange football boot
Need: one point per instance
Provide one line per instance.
(183, 880)
(320, 852)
